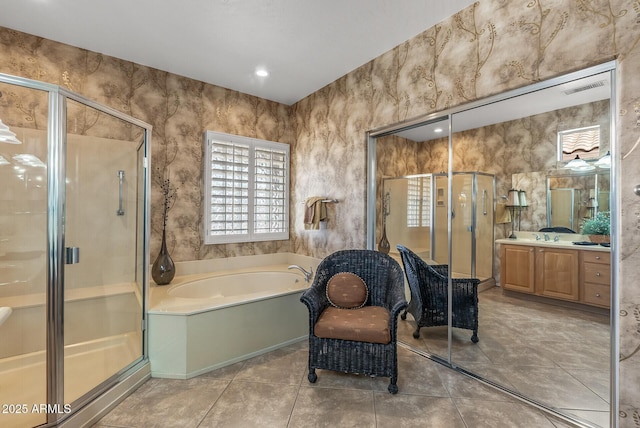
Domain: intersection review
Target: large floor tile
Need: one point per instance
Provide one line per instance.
(249, 404)
(328, 407)
(167, 403)
(500, 414)
(280, 366)
(416, 375)
(555, 387)
(415, 411)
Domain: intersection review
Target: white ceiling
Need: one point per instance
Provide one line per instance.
(304, 44)
(573, 93)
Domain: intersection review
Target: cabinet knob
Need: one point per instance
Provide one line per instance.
(597, 257)
(597, 294)
(541, 250)
(597, 273)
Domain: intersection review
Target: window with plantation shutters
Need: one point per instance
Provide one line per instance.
(246, 189)
(418, 201)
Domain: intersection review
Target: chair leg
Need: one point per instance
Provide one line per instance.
(474, 337)
(393, 387)
(416, 334)
(312, 376)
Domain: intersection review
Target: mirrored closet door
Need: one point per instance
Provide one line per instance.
(544, 289)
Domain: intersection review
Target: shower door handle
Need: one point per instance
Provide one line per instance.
(484, 201)
(71, 255)
(120, 180)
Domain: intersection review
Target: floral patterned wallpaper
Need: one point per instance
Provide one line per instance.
(490, 47)
(485, 49)
(178, 108)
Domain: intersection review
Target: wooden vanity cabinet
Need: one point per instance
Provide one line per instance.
(595, 278)
(575, 275)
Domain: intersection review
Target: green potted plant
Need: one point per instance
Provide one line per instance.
(598, 228)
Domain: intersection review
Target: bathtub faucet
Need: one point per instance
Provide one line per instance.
(307, 275)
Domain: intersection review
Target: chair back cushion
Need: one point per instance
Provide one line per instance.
(346, 290)
(368, 324)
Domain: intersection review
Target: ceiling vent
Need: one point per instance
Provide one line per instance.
(593, 85)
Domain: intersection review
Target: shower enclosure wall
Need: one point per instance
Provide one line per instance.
(73, 240)
(416, 216)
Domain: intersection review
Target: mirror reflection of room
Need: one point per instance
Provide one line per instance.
(531, 341)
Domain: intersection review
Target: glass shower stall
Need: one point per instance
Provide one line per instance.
(73, 251)
(472, 205)
(415, 216)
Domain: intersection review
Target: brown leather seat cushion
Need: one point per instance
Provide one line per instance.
(367, 324)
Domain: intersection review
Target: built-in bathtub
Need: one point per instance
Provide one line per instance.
(218, 312)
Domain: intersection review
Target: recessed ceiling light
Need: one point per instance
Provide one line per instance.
(261, 72)
(437, 130)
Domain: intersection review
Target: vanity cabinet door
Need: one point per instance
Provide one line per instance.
(517, 270)
(557, 273)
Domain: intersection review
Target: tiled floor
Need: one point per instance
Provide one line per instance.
(272, 390)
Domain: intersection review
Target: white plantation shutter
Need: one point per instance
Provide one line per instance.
(413, 202)
(247, 191)
(418, 202)
(229, 191)
(270, 192)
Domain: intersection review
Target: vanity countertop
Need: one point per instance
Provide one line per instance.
(566, 241)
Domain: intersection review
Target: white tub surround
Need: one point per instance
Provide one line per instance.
(194, 329)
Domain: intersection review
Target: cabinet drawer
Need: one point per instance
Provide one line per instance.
(597, 273)
(596, 256)
(597, 294)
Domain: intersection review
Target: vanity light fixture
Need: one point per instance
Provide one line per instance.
(437, 130)
(578, 164)
(522, 196)
(604, 161)
(513, 203)
(6, 136)
(513, 198)
(261, 72)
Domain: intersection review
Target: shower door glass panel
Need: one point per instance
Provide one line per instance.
(103, 298)
(408, 220)
(23, 256)
(484, 226)
(462, 224)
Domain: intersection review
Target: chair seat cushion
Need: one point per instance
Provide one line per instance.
(367, 324)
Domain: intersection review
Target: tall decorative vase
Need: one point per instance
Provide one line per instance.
(384, 245)
(163, 269)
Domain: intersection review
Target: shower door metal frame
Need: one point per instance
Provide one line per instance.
(56, 200)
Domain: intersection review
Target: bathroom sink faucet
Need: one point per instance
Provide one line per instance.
(546, 237)
(556, 238)
(307, 275)
(536, 236)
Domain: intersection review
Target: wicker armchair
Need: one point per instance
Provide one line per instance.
(428, 305)
(385, 283)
